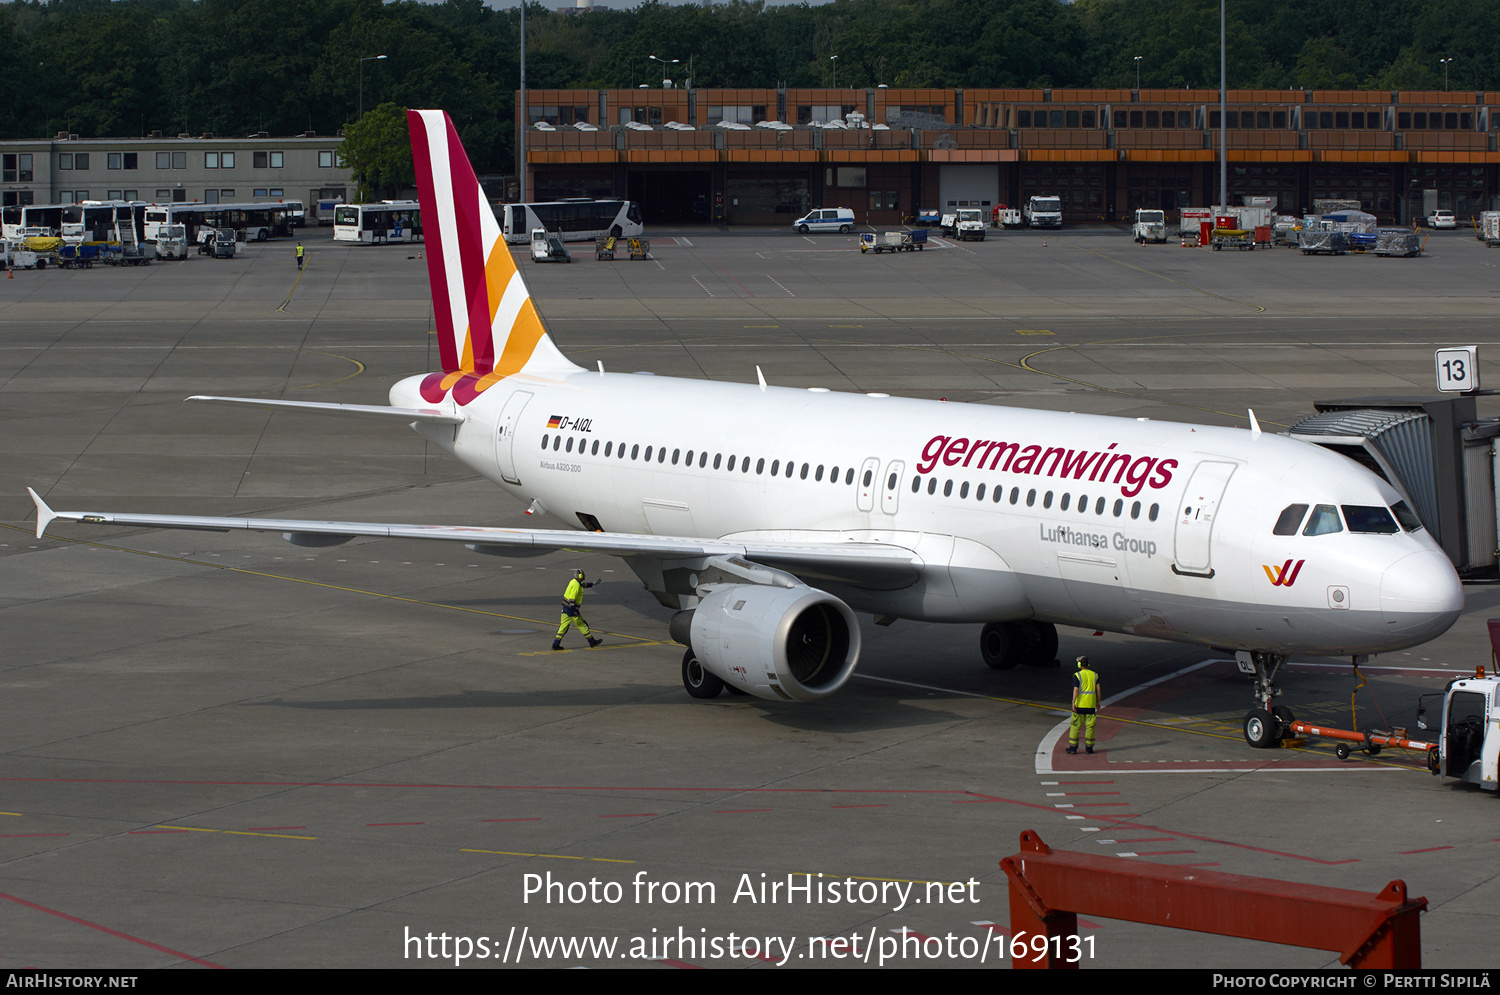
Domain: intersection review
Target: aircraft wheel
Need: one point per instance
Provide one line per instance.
(1260, 729)
(1284, 719)
(999, 645)
(699, 682)
(1044, 653)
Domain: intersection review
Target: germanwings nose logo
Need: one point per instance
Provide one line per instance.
(1284, 575)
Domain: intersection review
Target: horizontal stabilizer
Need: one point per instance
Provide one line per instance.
(405, 416)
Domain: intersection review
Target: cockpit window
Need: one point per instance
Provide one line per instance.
(1290, 518)
(1366, 518)
(1324, 520)
(1408, 519)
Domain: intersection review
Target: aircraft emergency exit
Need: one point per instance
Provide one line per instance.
(766, 517)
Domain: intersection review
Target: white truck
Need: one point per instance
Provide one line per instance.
(1150, 226)
(969, 225)
(172, 241)
(1043, 212)
(1468, 745)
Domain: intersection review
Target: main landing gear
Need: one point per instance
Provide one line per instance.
(1005, 644)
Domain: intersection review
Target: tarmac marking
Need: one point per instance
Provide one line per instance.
(551, 856)
(232, 832)
(112, 932)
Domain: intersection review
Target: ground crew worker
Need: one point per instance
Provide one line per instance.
(299, 257)
(1085, 706)
(572, 611)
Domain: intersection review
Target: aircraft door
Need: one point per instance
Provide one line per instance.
(869, 482)
(505, 435)
(1195, 520)
(890, 492)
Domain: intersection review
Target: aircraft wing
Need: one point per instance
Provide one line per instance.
(861, 564)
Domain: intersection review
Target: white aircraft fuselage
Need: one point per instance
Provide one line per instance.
(1176, 540)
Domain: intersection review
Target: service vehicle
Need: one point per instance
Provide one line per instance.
(1005, 217)
(1150, 226)
(172, 241)
(1043, 212)
(969, 225)
(1442, 219)
(1488, 229)
(547, 247)
(580, 219)
(839, 219)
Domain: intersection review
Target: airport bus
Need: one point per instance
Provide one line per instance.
(29, 217)
(253, 222)
(387, 221)
(575, 220)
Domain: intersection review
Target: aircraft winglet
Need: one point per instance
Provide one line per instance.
(1254, 425)
(44, 515)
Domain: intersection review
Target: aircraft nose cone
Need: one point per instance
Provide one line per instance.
(1420, 595)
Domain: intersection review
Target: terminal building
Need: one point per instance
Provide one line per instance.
(205, 168)
(701, 155)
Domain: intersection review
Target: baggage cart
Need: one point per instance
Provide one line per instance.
(1233, 238)
(640, 248)
(604, 248)
(1330, 243)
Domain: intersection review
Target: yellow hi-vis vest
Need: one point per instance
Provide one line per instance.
(1088, 689)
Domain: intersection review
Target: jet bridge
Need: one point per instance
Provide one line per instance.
(1437, 454)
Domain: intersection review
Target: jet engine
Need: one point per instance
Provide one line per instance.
(781, 643)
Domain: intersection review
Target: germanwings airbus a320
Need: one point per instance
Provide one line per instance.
(765, 517)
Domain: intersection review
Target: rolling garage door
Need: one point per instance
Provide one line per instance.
(969, 186)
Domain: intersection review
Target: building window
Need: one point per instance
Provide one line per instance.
(114, 195)
(210, 196)
(65, 196)
(210, 160)
(325, 160)
(226, 160)
(163, 160)
(16, 167)
(277, 160)
(277, 192)
(225, 196)
(80, 160)
(258, 160)
(179, 160)
(65, 160)
(163, 195)
(258, 192)
(131, 195)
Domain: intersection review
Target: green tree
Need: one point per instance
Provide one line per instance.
(377, 149)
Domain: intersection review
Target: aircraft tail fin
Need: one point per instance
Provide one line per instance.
(487, 326)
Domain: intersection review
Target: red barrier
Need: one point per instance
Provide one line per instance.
(1048, 891)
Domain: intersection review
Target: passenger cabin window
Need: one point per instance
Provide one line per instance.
(1291, 517)
(1323, 521)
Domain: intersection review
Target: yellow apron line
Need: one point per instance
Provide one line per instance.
(553, 856)
(237, 832)
(601, 649)
(289, 293)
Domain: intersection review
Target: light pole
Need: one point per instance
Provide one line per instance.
(664, 64)
(1138, 72)
(835, 60)
(371, 58)
(1445, 72)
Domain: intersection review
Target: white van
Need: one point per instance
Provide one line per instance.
(839, 219)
